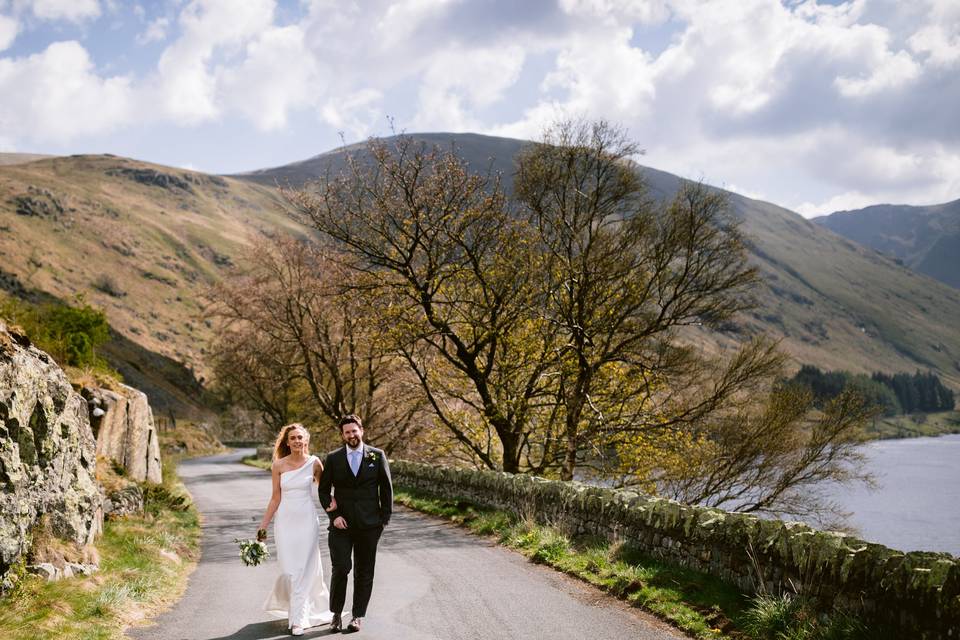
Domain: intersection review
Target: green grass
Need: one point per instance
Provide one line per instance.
(701, 605)
(254, 461)
(139, 575)
(789, 617)
(915, 425)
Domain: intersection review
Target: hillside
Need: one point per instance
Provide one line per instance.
(140, 241)
(832, 302)
(926, 239)
(143, 242)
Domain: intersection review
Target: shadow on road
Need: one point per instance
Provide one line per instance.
(273, 629)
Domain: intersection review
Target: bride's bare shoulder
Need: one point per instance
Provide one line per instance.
(281, 464)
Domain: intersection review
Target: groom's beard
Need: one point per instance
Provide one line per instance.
(354, 442)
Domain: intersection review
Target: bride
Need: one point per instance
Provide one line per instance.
(299, 594)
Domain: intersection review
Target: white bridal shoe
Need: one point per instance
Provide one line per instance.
(297, 631)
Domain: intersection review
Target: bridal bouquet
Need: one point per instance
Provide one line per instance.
(252, 552)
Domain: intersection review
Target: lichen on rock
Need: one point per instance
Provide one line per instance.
(47, 453)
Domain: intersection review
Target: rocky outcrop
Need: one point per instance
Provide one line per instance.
(170, 181)
(52, 573)
(47, 452)
(38, 203)
(123, 425)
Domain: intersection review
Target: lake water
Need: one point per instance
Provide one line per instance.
(916, 505)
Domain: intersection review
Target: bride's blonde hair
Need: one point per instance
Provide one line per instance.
(280, 447)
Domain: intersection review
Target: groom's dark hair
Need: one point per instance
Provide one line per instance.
(350, 418)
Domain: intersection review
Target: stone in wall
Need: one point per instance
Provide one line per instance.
(124, 502)
(123, 425)
(47, 452)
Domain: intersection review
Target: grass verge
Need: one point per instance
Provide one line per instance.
(915, 425)
(700, 605)
(254, 461)
(144, 563)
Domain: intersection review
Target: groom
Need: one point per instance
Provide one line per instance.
(360, 478)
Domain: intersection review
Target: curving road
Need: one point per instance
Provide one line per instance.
(434, 581)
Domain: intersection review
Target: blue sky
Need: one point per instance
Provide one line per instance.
(814, 106)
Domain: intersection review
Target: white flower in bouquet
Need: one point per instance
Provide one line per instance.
(252, 552)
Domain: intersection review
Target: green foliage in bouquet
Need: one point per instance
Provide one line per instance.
(252, 552)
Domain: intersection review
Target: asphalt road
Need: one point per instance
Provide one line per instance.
(433, 581)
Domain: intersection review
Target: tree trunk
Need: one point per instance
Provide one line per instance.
(511, 451)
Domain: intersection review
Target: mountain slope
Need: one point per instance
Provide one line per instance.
(143, 242)
(832, 302)
(926, 239)
(139, 241)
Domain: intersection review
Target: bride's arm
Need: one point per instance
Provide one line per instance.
(274, 497)
(317, 473)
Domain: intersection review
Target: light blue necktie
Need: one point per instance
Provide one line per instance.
(355, 462)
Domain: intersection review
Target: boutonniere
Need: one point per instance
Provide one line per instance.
(371, 456)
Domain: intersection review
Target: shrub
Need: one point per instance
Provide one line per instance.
(70, 334)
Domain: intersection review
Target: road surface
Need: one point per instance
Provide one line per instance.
(433, 581)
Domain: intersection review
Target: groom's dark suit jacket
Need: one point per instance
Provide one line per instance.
(364, 501)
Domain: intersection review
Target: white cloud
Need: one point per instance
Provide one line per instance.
(941, 47)
(841, 202)
(71, 10)
(355, 114)
(9, 28)
(618, 11)
(277, 75)
(156, 31)
(187, 85)
(459, 82)
(57, 95)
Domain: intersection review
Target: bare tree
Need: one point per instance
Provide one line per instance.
(292, 315)
(253, 372)
(776, 458)
(622, 274)
(438, 243)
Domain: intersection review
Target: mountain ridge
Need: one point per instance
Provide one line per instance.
(925, 238)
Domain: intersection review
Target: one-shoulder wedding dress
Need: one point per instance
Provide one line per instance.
(299, 594)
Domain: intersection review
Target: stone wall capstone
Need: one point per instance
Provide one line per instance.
(47, 452)
(125, 430)
(912, 595)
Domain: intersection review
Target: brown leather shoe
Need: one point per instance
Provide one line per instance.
(354, 626)
(337, 623)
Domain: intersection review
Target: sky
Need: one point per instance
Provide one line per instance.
(814, 106)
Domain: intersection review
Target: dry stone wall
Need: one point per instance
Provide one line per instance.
(47, 452)
(906, 595)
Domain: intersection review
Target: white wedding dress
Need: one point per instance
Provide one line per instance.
(299, 594)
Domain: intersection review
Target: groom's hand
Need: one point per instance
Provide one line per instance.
(340, 523)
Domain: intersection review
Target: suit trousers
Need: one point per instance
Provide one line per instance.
(349, 547)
